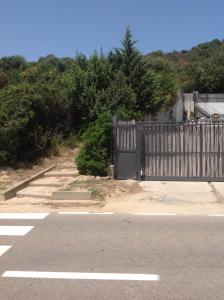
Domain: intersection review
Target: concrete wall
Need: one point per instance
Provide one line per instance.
(162, 116)
(172, 113)
(211, 98)
(188, 105)
(210, 103)
(183, 108)
(178, 109)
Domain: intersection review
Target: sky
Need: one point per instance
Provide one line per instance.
(34, 28)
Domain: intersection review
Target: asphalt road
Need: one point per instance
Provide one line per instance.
(185, 252)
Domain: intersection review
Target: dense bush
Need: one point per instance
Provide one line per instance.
(94, 155)
(30, 117)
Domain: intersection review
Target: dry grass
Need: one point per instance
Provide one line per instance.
(103, 188)
(11, 176)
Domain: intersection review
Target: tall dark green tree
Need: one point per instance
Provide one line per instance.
(128, 59)
(149, 88)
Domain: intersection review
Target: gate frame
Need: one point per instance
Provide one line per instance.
(139, 154)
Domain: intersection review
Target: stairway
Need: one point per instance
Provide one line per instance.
(43, 187)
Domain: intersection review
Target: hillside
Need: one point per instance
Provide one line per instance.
(198, 53)
(200, 68)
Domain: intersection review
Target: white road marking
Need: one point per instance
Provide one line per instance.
(152, 214)
(3, 249)
(84, 213)
(101, 213)
(88, 276)
(23, 216)
(15, 230)
(216, 215)
(74, 213)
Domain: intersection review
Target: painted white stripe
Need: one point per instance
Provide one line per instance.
(216, 215)
(23, 216)
(153, 214)
(73, 213)
(84, 213)
(101, 213)
(88, 276)
(15, 230)
(3, 249)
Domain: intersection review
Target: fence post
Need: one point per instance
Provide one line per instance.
(195, 100)
(114, 152)
(201, 149)
(138, 152)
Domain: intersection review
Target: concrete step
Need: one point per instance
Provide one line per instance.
(50, 181)
(36, 192)
(62, 173)
(27, 200)
(66, 166)
(47, 204)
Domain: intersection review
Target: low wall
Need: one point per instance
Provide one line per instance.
(11, 192)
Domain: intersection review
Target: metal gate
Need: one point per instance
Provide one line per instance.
(170, 151)
(125, 151)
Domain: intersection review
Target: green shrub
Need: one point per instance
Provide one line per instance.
(94, 155)
(30, 119)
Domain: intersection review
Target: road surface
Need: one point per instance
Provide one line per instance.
(111, 256)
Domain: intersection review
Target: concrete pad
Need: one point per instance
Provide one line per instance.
(179, 191)
(218, 188)
(146, 202)
(50, 181)
(176, 186)
(37, 192)
(186, 197)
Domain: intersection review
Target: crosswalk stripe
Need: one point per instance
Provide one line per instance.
(15, 230)
(78, 276)
(23, 216)
(4, 248)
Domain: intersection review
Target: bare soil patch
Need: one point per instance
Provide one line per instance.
(104, 188)
(12, 176)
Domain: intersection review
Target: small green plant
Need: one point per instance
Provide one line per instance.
(94, 155)
(71, 141)
(96, 194)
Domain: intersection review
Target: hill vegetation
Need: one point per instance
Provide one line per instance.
(43, 103)
(201, 68)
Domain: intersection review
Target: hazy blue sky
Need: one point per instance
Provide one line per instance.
(34, 28)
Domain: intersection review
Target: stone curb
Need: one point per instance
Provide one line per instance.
(11, 192)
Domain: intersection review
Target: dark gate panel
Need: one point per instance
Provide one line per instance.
(125, 151)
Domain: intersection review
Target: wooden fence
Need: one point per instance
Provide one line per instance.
(169, 151)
